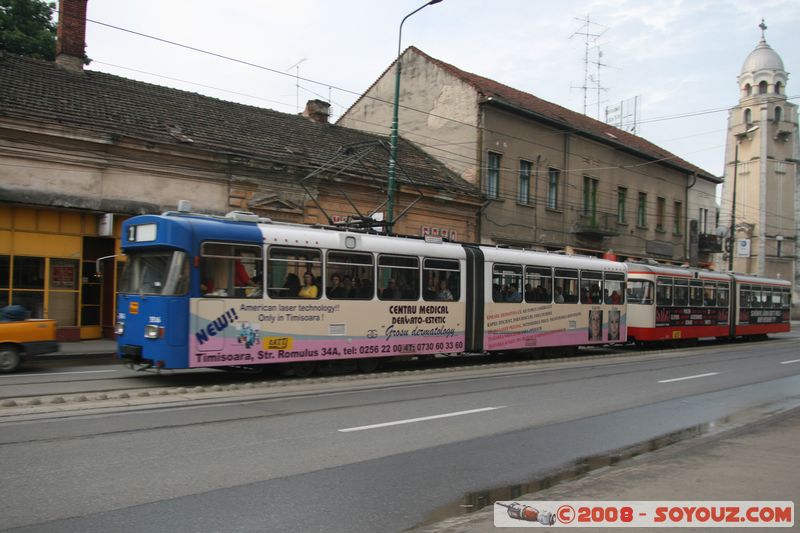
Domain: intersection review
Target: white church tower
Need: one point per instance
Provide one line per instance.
(761, 172)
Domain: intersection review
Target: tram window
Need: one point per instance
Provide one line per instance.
(786, 298)
(591, 287)
(350, 275)
(640, 292)
(294, 272)
(723, 290)
(696, 293)
(230, 270)
(538, 284)
(664, 291)
(710, 293)
(755, 297)
(442, 279)
(565, 288)
(398, 277)
(614, 288)
(776, 298)
(507, 283)
(680, 293)
(744, 296)
(162, 272)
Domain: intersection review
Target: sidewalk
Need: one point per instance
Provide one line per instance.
(90, 349)
(755, 462)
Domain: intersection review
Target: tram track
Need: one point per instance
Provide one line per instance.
(165, 384)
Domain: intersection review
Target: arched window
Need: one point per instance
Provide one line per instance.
(762, 87)
(748, 116)
(748, 90)
(778, 87)
(778, 114)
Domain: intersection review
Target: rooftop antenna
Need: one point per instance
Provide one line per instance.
(589, 39)
(596, 79)
(296, 68)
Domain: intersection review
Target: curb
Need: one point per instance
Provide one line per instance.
(665, 445)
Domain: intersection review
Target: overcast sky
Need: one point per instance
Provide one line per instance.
(679, 57)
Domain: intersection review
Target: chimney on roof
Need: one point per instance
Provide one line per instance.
(317, 110)
(71, 35)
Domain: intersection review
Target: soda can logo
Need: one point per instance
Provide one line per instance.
(133, 308)
(277, 343)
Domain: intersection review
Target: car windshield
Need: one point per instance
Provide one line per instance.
(162, 272)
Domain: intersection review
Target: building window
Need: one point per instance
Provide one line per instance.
(778, 87)
(622, 194)
(524, 182)
(703, 220)
(660, 204)
(641, 211)
(552, 188)
(780, 167)
(678, 221)
(778, 114)
(748, 90)
(748, 116)
(762, 87)
(590, 197)
(493, 176)
(779, 247)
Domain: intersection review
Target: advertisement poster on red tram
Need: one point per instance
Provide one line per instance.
(691, 316)
(763, 316)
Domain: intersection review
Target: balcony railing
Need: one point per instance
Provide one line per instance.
(597, 225)
(709, 243)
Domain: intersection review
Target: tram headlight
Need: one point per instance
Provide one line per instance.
(153, 331)
(119, 328)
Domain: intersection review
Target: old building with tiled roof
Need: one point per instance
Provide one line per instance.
(81, 150)
(554, 177)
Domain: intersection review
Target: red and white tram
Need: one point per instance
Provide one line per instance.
(668, 303)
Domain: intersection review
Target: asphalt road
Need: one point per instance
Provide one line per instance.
(363, 458)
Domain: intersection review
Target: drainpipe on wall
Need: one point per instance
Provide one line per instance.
(686, 230)
(536, 199)
(479, 173)
(563, 187)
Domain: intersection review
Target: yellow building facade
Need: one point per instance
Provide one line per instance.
(48, 264)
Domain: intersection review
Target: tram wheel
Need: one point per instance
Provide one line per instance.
(304, 369)
(369, 365)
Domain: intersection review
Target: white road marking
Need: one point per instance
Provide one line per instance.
(689, 377)
(790, 362)
(421, 419)
(55, 373)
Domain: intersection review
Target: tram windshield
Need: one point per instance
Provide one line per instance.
(640, 291)
(162, 272)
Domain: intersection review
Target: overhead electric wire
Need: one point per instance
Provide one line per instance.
(361, 95)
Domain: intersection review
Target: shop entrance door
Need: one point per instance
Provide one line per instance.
(97, 292)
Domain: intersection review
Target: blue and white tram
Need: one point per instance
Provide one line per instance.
(202, 291)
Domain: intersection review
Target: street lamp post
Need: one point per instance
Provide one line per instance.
(390, 182)
(732, 241)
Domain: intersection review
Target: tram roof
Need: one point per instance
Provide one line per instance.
(533, 257)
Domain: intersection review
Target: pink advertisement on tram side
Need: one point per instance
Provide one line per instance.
(514, 327)
(239, 332)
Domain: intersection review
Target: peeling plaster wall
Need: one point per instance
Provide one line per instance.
(428, 94)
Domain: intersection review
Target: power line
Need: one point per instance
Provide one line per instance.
(348, 91)
(298, 78)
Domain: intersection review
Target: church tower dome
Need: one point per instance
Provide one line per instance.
(762, 71)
